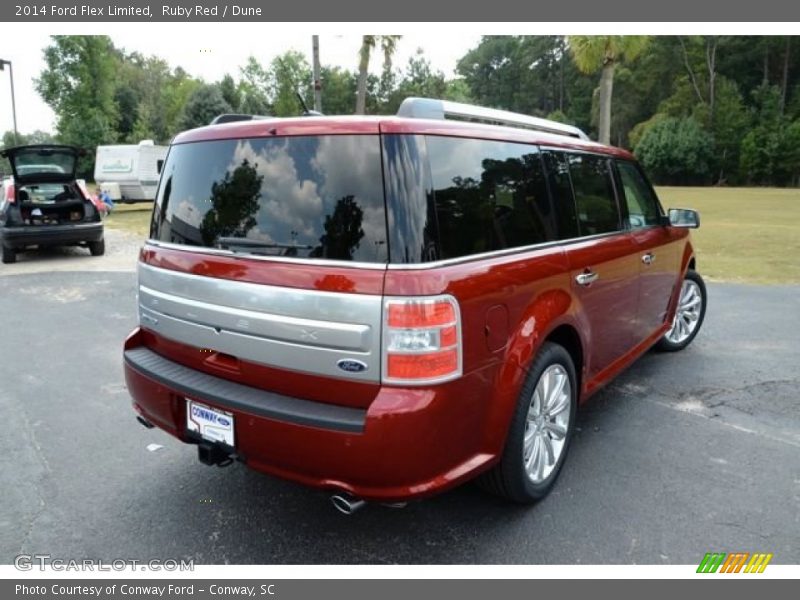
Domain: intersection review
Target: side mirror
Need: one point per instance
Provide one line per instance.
(159, 166)
(684, 217)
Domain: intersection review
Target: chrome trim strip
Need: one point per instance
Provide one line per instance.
(445, 262)
(341, 336)
(237, 344)
(301, 330)
(280, 259)
(333, 306)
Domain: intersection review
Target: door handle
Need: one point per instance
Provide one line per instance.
(649, 258)
(587, 277)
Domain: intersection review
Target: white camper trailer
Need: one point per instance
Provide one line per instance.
(133, 167)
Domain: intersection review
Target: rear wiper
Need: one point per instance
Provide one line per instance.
(228, 242)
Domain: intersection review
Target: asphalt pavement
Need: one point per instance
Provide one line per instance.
(684, 454)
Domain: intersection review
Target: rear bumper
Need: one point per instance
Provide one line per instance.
(34, 235)
(235, 396)
(409, 443)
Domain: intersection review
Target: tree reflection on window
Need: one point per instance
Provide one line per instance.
(507, 208)
(343, 231)
(234, 202)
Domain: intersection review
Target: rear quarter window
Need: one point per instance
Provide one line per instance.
(305, 196)
(413, 234)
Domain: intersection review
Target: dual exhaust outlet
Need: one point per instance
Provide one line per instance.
(348, 504)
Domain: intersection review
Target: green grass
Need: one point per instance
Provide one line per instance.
(133, 218)
(747, 235)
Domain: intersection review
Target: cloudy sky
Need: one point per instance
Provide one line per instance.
(207, 51)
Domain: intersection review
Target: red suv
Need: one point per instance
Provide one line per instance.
(388, 307)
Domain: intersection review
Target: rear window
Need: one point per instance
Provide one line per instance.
(43, 161)
(305, 197)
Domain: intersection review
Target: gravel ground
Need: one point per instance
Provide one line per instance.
(122, 250)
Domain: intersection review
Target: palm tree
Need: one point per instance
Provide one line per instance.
(388, 46)
(593, 52)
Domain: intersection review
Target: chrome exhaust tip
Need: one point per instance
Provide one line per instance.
(144, 422)
(347, 504)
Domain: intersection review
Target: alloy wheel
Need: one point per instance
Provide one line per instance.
(546, 424)
(687, 315)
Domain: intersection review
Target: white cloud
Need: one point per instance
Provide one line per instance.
(188, 213)
(286, 198)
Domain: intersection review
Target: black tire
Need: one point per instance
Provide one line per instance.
(9, 255)
(509, 478)
(665, 344)
(97, 248)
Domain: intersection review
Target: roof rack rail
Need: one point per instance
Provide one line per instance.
(231, 117)
(430, 108)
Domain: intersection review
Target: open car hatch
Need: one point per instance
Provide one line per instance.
(43, 163)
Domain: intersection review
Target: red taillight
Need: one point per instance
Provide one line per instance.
(448, 336)
(10, 193)
(422, 341)
(425, 366)
(421, 314)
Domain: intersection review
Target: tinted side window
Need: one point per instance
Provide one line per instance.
(594, 194)
(489, 195)
(561, 190)
(643, 208)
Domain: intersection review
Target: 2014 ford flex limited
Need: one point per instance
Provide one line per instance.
(388, 307)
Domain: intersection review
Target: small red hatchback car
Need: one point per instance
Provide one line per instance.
(388, 307)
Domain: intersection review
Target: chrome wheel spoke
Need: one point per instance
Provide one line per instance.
(544, 391)
(556, 393)
(558, 432)
(693, 303)
(560, 405)
(540, 462)
(530, 433)
(536, 403)
(533, 456)
(549, 451)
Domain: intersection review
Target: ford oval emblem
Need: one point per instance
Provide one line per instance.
(223, 421)
(351, 365)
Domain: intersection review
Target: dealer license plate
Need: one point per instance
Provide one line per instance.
(210, 423)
